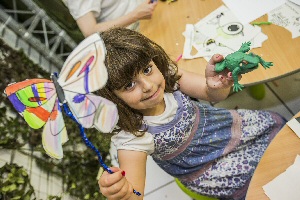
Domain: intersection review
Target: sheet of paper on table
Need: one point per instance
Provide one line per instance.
(222, 26)
(248, 10)
(219, 32)
(287, 16)
(286, 185)
(294, 124)
(296, 2)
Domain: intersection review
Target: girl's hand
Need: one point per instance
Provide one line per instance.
(115, 186)
(220, 80)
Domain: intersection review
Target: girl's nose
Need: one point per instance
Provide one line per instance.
(146, 84)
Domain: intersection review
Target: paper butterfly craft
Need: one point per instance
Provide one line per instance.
(39, 100)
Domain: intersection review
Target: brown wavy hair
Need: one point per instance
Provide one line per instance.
(128, 52)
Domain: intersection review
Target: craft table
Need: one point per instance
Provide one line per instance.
(168, 24)
(280, 154)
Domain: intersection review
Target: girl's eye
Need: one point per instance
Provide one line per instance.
(147, 70)
(129, 86)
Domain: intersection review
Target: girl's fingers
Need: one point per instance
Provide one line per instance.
(125, 192)
(117, 187)
(107, 179)
(115, 169)
(229, 74)
(230, 77)
(119, 190)
(210, 68)
(215, 59)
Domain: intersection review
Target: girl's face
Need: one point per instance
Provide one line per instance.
(145, 92)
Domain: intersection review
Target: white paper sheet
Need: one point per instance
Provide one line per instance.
(205, 46)
(248, 10)
(287, 16)
(222, 26)
(296, 2)
(295, 126)
(219, 32)
(285, 185)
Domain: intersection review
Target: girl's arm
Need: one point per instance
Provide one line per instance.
(213, 87)
(88, 24)
(119, 185)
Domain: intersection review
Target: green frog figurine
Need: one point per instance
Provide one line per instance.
(240, 63)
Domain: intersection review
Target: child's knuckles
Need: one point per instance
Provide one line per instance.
(125, 192)
(116, 197)
(119, 193)
(104, 191)
(116, 188)
(105, 181)
(130, 188)
(125, 188)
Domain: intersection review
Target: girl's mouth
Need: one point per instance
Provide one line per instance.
(152, 96)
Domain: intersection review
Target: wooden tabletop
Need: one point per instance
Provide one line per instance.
(280, 154)
(169, 21)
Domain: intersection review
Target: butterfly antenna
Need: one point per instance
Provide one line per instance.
(89, 144)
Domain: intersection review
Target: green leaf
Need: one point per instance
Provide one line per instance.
(20, 180)
(87, 196)
(15, 198)
(12, 187)
(24, 173)
(73, 186)
(96, 194)
(5, 189)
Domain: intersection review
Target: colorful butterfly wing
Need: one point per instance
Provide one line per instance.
(55, 133)
(31, 98)
(93, 111)
(106, 116)
(84, 70)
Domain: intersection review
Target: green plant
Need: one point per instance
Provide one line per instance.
(14, 183)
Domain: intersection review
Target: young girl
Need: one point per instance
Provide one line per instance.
(212, 151)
